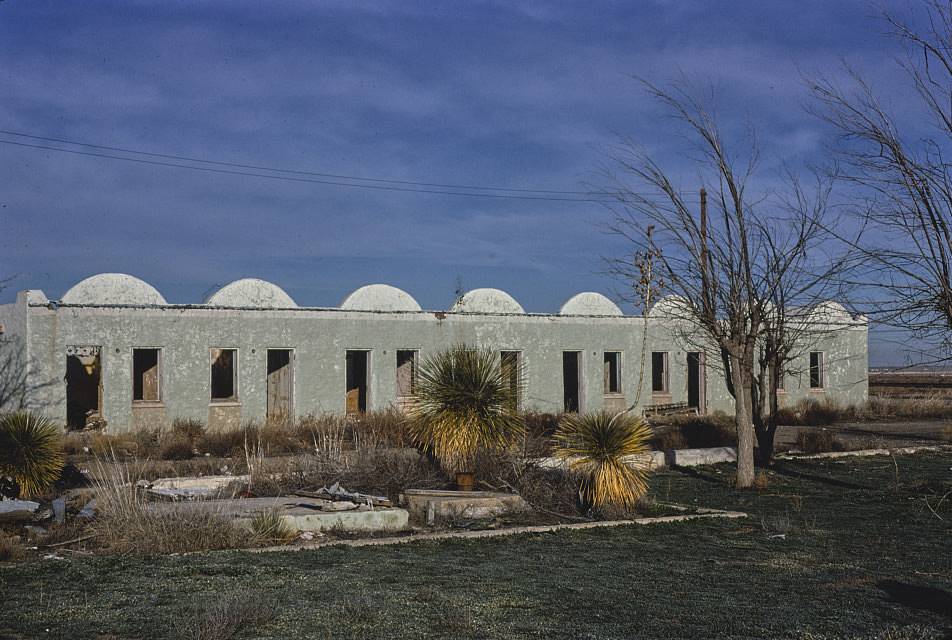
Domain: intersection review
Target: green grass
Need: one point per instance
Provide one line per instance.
(862, 555)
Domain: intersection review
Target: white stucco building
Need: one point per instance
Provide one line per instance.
(112, 350)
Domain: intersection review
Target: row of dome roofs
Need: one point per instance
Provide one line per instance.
(250, 293)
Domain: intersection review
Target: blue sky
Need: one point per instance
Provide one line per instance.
(492, 95)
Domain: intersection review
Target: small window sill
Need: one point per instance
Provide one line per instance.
(148, 404)
(817, 389)
(615, 394)
(660, 394)
(225, 403)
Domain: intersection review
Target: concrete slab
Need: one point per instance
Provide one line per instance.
(657, 459)
(430, 505)
(296, 515)
(191, 488)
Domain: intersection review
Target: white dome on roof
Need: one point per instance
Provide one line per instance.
(589, 303)
(380, 297)
(253, 293)
(671, 306)
(113, 288)
(487, 301)
(830, 312)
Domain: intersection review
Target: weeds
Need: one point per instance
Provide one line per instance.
(818, 441)
(224, 618)
(10, 548)
(270, 526)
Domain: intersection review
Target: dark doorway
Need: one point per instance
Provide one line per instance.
(357, 371)
(696, 381)
(571, 381)
(280, 385)
(83, 387)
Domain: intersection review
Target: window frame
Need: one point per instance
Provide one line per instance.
(665, 390)
(137, 378)
(234, 398)
(817, 371)
(618, 389)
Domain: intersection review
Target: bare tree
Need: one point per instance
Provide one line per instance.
(736, 270)
(899, 177)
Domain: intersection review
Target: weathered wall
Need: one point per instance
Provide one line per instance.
(320, 338)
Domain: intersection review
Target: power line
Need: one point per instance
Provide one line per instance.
(326, 178)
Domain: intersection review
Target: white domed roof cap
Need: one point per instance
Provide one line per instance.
(380, 297)
(830, 312)
(487, 301)
(589, 303)
(253, 293)
(113, 288)
(672, 307)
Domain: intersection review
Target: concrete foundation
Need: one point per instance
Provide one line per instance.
(450, 505)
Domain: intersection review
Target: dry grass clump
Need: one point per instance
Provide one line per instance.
(946, 434)
(926, 407)
(716, 429)
(125, 524)
(222, 619)
(10, 548)
(540, 428)
(269, 526)
(815, 413)
(818, 441)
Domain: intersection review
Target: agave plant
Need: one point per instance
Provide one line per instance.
(462, 402)
(30, 452)
(596, 446)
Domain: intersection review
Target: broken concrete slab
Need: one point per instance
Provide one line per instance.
(192, 488)
(59, 510)
(297, 514)
(12, 510)
(88, 511)
(658, 459)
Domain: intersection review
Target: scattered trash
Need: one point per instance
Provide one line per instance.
(782, 536)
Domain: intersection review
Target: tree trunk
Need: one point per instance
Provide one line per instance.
(743, 419)
(765, 442)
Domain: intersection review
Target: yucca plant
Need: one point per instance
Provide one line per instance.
(270, 526)
(30, 451)
(464, 402)
(596, 445)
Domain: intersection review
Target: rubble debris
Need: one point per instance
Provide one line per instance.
(336, 493)
(89, 510)
(59, 510)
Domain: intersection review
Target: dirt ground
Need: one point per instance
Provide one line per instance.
(874, 435)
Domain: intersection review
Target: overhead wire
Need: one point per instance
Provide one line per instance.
(295, 175)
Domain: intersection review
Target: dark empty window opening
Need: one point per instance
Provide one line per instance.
(224, 375)
(406, 373)
(83, 387)
(612, 372)
(357, 386)
(660, 384)
(816, 370)
(571, 381)
(146, 375)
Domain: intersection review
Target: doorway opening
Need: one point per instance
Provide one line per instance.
(83, 387)
(280, 385)
(571, 381)
(357, 375)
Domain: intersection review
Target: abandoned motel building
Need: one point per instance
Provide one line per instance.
(112, 352)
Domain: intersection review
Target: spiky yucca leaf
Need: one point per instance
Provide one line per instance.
(595, 445)
(30, 450)
(463, 401)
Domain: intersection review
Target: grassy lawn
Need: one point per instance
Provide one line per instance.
(844, 548)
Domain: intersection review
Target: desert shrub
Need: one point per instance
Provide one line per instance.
(269, 526)
(178, 448)
(222, 619)
(946, 434)
(814, 413)
(223, 444)
(10, 548)
(30, 451)
(553, 490)
(463, 403)
(716, 429)
(540, 427)
(379, 429)
(925, 407)
(126, 523)
(818, 441)
(187, 428)
(596, 446)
